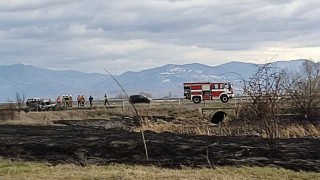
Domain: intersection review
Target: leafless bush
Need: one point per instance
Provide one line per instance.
(305, 89)
(266, 91)
(20, 100)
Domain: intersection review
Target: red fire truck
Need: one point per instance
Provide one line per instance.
(197, 91)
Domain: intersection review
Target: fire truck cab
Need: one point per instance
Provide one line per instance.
(202, 91)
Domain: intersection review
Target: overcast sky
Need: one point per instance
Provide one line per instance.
(132, 35)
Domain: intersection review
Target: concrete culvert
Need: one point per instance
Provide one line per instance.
(218, 117)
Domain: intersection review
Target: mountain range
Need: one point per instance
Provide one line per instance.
(31, 81)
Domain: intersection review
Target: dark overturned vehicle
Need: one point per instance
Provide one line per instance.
(139, 99)
(40, 104)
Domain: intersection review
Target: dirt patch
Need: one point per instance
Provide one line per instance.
(108, 141)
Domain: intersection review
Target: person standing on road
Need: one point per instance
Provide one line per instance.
(90, 100)
(106, 100)
(79, 100)
(82, 99)
(59, 101)
(70, 101)
(64, 101)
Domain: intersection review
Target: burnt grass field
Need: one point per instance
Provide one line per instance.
(119, 140)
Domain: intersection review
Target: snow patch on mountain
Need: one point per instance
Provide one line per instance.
(166, 81)
(167, 73)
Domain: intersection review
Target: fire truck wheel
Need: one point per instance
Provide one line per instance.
(196, 99)
(224, 98)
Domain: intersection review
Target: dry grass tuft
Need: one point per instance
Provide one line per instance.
(184, 120)
(9, 112)
(300, 131)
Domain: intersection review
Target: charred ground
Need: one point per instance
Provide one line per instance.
(173, 140)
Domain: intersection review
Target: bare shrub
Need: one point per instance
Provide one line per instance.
(265, 90)
(305, 89)
(20, 100)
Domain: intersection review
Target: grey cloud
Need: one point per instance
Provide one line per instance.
(30, 5)
(73, 33)
(236, 23)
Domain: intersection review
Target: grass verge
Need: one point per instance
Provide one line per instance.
(29, 170)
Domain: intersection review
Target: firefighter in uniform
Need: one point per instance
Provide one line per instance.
(106, 100)
(82, 99)
(79, 100)
(59, 101)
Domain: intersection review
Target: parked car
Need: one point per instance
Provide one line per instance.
(40, 104)
(139, 99)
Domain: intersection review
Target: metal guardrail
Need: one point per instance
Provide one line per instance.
(127, 101)
(124, 102)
